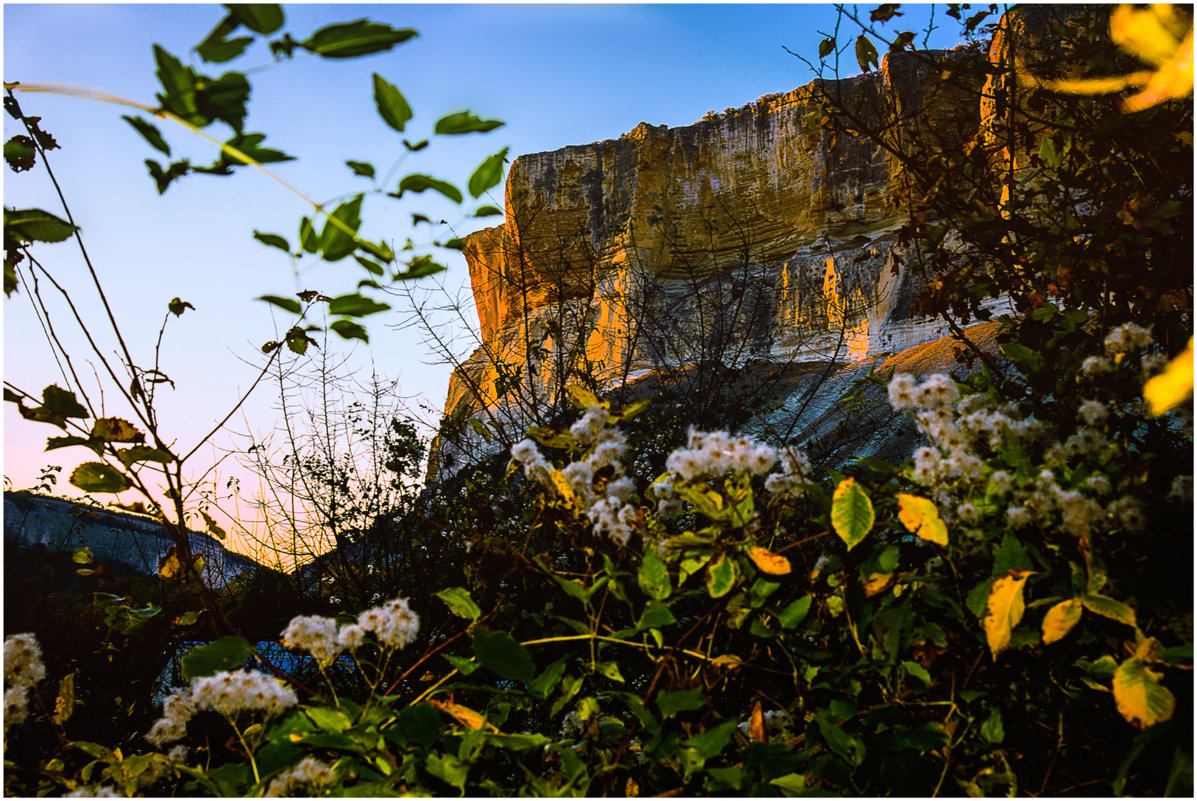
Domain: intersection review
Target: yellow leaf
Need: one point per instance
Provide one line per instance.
(583, 398)
(756, 724)
(769, 562)
(1060, 619)
(1170, 388)
(921, 518)
(1172, 80)
(730, 661)
(1151, 34)
(563, 488)
(1141, 699)
(114, 429)
(464, 715)
(64, 705)
(1004, 609)
(877, 582)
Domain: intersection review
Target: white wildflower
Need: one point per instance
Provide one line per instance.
(394, 623)
(1127, 513)
(178, 754)
(310, 773)
(1094, 366)
(1127, 337)
(231, 692)
(1182, 489)
(177, 709)
(312, 633)
(351, 637)
(1019, 516)
(1098, 483)
(16, 705)
(937, 390)
(587, 428)
(621, 489)
(23, 660)
(1001, 482)
(901, 391)
(968, 513)
(1093, 412)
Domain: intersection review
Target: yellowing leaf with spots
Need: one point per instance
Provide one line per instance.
(1060, 619)
(1170, 388)
(1004, 609)
(769, 562)
(851, 512)
(877, 582)
(921, 518)
(561, 484)
(1141, 699)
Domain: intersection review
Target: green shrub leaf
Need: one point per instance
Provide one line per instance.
(99, 477)
(464, 122)
(460, 603)
(227, 653)
(392, 105)
(352, 39)
(488, 174)
(499, 651)
(851, 512)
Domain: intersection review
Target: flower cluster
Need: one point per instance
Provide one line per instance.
(606, 508)
(23, 668)
(716, 453)
(959, 428)
(393, 624)
(228, 692)
(308, 774)
(795, 471)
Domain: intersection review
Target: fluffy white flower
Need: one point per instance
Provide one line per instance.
(23, 660)
(1094, 366)
(937, 390)
(309, 773)
(312, 633)
(1127, 337)
(587, 428)
(231, 692)
(177, 709)
(351, 637)
(16, 705)
(1093, 412)
(901, 391)
(1098, 483)
(968, 513)
(1001, 481)
(394, 623)
(1019, 516)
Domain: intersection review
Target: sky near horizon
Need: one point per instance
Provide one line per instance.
(557, 74)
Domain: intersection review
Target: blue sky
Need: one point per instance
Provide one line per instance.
(557, 74)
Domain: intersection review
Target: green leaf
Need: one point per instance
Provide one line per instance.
(826, 46)
(460, 603)
(500, 652)
(847, 746)
(722, 575)
(713, 740)
(1108, 607)
(487, 211)
(149, 132)
(417, 147)
(308, 239)
(1010, 555)
(358, 38)
(35, 225)
(792, 784)
(227, 653)
(464, 666)
(330, 720)
(421, 267)
(273, 240)
(62, 402)
(851, 512)
(249, 145)
(361, 168)
(795, 613)
(286, 304)
(355, 305)
(392, 106)
(164, 178)
(488, 174)
(83, 556)
(992, 729)
(263, 18)
(217, 48)
(20, 153)
(99, 477)
(448, 769)
(547, 681)
(464, 122)
(654, 616)
(421, 183)
(139, 453)
(335, 243)
(611, 671)
(654, 577)
(918, 671)
(682, 701)
(902, 41)
(978, 597)
(420, 723)
(1140, 697)
(924, 737)
(866, 53)
(347, 329)
(177, 306)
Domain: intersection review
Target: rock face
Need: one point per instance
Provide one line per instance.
(759, 237)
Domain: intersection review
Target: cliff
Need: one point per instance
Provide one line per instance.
(753, 240)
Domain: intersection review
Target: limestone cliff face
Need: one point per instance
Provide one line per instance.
(763, 235)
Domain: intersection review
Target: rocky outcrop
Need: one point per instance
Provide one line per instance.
(126, 542)
(767, 235)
